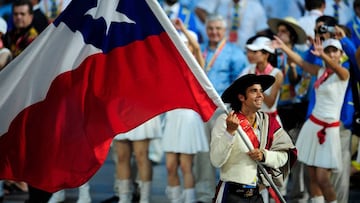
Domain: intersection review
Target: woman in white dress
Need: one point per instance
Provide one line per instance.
(318, 143)
(184, 136)
(135, 142)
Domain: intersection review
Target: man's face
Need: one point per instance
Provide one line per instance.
(21, 16)
(254, 98)
(215, 31)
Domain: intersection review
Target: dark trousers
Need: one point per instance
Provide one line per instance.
(230, 198)
(38, 196)
(239, 193)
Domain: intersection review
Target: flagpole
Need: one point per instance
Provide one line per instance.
(202, 78)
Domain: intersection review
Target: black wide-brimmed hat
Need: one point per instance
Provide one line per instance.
(230, 95)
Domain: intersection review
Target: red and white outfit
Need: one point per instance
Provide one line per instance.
(325, 116)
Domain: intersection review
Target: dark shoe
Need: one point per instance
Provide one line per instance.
(113, 199)
(136, 193)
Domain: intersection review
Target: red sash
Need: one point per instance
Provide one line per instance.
(273, 114)
(323, 77)
(321, 134)
(266, 71)
(245, 125)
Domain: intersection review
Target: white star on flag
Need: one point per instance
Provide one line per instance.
(107, 10)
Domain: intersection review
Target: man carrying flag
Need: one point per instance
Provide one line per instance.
(245, 139)
(81, 82)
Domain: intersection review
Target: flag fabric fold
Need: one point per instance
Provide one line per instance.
(101, 68)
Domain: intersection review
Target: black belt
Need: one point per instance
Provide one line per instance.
(241, 190)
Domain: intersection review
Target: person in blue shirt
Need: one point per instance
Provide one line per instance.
(223, 60)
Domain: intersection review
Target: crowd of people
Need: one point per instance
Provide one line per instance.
(290, 72)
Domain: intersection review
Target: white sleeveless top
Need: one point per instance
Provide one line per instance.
(329, 98)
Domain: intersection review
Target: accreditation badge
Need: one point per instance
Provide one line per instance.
(233, 36)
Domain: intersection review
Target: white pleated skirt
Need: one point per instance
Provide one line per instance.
(149, 130)
(312, 153)
(184, 132)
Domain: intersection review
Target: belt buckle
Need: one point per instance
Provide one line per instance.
(249, 193)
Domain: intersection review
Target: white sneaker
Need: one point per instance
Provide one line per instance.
(57, 197)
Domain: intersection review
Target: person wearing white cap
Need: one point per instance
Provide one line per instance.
(260, 52)
(318, 143)
(5, 54)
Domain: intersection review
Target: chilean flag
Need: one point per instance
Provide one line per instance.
(101, 68)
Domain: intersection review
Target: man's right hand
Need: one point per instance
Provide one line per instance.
(232, 123)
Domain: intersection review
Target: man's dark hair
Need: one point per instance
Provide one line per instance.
(23, 2)
(313, 4)
(237, 104)
(327, 20)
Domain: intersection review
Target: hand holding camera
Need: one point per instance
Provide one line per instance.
(325, 29)
(335, 31)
